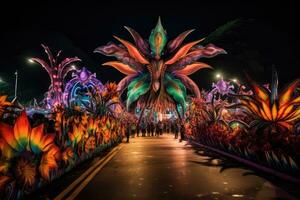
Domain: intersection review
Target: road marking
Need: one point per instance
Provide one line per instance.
(85, 174)
(90, 177)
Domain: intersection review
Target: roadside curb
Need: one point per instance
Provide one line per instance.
(259, 167)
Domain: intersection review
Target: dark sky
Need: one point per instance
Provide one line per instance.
(266, 37)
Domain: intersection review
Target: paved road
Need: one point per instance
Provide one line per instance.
(163, 168)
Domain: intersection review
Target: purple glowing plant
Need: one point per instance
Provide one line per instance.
(57, 72)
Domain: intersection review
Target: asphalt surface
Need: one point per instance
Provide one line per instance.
(162, 168)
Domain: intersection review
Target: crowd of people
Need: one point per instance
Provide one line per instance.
(148, 128)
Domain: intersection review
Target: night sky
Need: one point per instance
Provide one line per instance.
(266, 37)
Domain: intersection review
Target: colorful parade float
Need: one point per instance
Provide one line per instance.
(80, 117)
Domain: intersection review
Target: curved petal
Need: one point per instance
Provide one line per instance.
(123, 68)
(124, 83)
(195, 54)
(48, 162)
(49, 54)
(22, 131)
(261, 93)
(284, 111)
(35, 138)
(6, 150)
(173, 44)
(190, 84)
(7, 133)
(286, 94)
(120, 53)
(133, 51)
(192, 68)
(138, 87)
(182, 51)
(139, 41)
(274, 111)
(64, 63)
(176, 90)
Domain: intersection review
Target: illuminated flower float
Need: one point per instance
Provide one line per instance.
(27, 152)
(157, 70)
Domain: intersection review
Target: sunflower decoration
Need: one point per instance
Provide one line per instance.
(270, 109)
(90, 144)
(157, 70)
(24, 145)
(67, 154)
(76, 135)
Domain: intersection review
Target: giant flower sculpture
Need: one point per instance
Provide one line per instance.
(157, 70)
(57, 71)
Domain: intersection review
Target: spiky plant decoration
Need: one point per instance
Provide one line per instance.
(157, 70)
(270, 109)
(57, 71)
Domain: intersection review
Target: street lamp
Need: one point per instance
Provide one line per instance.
(219, 76)
(30, 60)
(235, 80)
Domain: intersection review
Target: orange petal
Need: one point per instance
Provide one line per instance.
(133, 51)
(48, 162)
(296, 101)
(6, 132)
(254, 108)
(274, 111)
(267, 110)
(285, 111)
(47, 141)
(36, 136)
(294, 116)
(192, 68)
(6, 150)
(261, 93)
(286, 125)
(182, 52)
(121, 67)
(22, 130)
(286, 94)
(3, 181)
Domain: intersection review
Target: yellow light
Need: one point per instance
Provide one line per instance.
(218, 75)
(235, 80)
(30, 60)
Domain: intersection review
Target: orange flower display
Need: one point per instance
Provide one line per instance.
(26, 172)
(21, 137)
(67, 154)
(269, 107)
(76, 135)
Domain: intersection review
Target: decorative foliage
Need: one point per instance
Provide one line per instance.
(57, 72)
(31, 157)
(157, 72)
(3, 104)
(261, 127)
(270, 109)
(103, 102)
